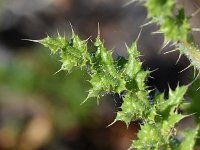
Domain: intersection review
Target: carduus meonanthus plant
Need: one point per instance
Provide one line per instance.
(158, 115)
(175, 26)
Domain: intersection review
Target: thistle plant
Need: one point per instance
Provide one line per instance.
(159, 115)
(175, 26)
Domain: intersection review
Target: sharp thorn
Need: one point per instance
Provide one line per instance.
(185, 68)
(146, 24)
(58, 33)
(138, 35)
(179, 57)
(126, 45)
(198, 88)
(128, 3)
(98, 30)
(58, 71)
(173, 44)
(72, 30)
(36, 41)
(165, 44)
(111, 123)
(170, 51)
(195, 13)
(196, 29)
(84, 101)
(157, 32)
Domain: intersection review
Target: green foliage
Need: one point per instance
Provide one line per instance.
(164, 7)
(175, 27)
(107, 76)
(158, 134)
(192, 52)
(158, 116)
(74, 51)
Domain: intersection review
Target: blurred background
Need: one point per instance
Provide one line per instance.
(42, 111)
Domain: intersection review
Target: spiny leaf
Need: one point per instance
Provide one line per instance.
(150, 138)
(73, 52)
(175, 99)
(191, 51)
(109, 76)
(175, 28)
(133, 65)
(157, 135)
(157, 8)
(104, 74)
(135, 102)
(160, 121)
(134, 107)
(55, 44)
